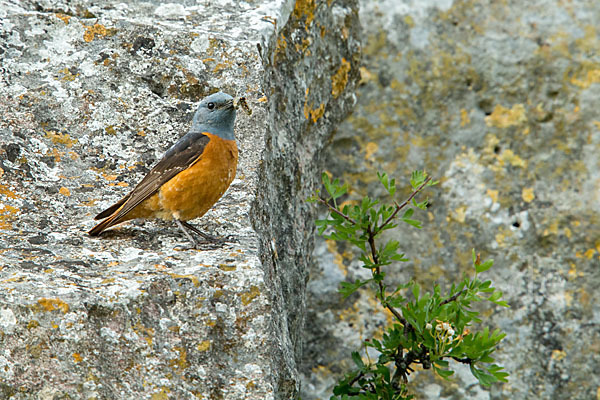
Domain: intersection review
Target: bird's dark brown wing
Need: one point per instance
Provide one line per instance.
(178, 158)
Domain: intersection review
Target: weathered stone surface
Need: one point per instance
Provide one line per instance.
(310, 72)
(499, 101)
(91, 95)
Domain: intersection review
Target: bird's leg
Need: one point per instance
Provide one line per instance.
(190, 237)
(206, 236)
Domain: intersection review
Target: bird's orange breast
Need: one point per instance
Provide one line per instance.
(192, 192)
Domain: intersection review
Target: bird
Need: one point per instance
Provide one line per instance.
(191, 176)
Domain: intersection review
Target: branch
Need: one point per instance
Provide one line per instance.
(453, 298)
(405, 203)
(335, 210)
(465, 360)
(382, 295)
(356, 378)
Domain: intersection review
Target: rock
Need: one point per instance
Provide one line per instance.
(497, 101)
(92, 94)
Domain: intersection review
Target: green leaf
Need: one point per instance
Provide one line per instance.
(326, 183)
(383, 178)
(413, 222)
(347, 288)
(444, 373)
(502, 303)
(484, 378)
(495, 296)
(422, 205)
(340, 191)
(358, 360)
(484, 267)
(416, 290)
(400, 257)
(417, 178)
(395, 301)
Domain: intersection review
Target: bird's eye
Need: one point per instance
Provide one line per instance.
(210, 106)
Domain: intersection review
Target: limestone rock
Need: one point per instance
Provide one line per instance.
(91, 95)
(497, 100)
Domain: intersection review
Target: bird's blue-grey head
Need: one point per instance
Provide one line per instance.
(216, 115)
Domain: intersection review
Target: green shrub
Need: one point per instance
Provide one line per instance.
(429, 328)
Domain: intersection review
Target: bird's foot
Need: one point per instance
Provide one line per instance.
(210, 242)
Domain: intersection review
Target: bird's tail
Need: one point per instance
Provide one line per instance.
(112, 209)
(107, 223)
(111, 214)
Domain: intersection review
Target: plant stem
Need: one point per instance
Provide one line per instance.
(465, 360)
(451, 299)
(404, 204)
(382, 295)
(335, 210)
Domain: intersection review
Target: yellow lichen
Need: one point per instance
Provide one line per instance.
(558, 354)
(64, 191)
(53, 304)
(464, 117)
(89, 203)
(370, 149)
(528, 195)
(162, 395)
(303, 46)
(250, 295)
(60, 138)
(589, 77)
(493, 194)
(98, 30)
(340, 78)
(552, 229)
(509, 156)
(180, 363)
(222, 65)
(589, 253)
(77, 357)
(314, 113)
(203, 345)
(503, 117)
(459, 214)
(32, 324)
(7, 214)
(367, 76)
(65, 18)
(68, 76)
(5, 191)
(194, 279)
(305, 8)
